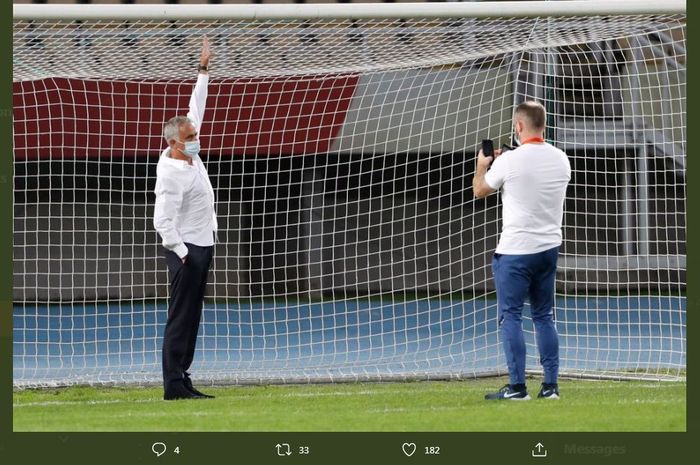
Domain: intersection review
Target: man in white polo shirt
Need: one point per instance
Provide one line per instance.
(184, 217)
(533, 179)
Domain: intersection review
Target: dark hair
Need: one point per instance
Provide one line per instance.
(532, 113)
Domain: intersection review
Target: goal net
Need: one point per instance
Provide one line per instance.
(341, 151)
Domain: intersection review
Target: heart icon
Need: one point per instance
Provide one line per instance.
(409, 448)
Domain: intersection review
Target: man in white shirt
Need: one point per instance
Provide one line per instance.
(533, 179)
(184, 217)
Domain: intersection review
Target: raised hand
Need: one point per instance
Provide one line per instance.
(206, 52)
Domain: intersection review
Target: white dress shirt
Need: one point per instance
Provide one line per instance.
(184, 209)
(534, 178)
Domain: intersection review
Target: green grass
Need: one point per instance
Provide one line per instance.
(414, 406)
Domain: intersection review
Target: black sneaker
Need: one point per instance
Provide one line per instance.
(507, 392)
(548, 391)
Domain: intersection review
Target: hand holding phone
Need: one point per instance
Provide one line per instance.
(486, 155)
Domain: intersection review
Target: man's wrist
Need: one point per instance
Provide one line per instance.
(202, 67)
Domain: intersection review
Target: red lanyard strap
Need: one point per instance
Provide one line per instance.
(532, 140)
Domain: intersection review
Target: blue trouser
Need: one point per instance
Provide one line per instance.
(527, 276)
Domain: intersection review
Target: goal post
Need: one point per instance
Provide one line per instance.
(340, 142)
(326, 11)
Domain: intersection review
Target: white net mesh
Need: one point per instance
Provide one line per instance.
(341, 153)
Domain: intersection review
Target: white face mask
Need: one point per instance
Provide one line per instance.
(191, 148)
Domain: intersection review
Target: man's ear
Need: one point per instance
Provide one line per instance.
(171, 144)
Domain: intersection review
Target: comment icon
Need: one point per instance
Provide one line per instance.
(158, 448)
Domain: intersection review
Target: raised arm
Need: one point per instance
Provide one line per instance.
(199, 94)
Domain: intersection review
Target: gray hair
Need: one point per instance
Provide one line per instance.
(171, 130)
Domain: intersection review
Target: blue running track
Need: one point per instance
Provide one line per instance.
(353, 339)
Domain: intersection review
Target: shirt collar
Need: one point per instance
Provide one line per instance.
(165, 156)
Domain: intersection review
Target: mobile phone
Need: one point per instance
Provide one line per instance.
(487, 147)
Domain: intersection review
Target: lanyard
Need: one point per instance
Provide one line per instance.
(532, 140)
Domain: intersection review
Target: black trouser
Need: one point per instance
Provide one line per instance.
(188, 282)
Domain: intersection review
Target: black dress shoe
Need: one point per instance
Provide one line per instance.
(189, 387)
(179, 391)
